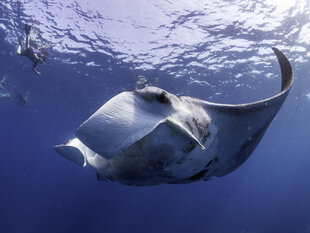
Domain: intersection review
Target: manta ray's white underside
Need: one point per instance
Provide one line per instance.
(150, 136)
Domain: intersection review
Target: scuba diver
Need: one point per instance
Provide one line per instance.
(36, 58)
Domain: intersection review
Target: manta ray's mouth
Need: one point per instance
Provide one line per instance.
(152, 94)
(129, 117)
(119, 123)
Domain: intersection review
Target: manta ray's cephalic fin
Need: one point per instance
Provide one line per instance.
(179, 128)
(72, 151)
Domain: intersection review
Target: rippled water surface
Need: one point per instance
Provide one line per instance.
(219, 51)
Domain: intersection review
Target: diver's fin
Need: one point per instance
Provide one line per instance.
(179, 128)
(27, 29)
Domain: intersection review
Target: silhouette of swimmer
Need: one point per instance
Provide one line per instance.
(36, 58)
(2, 82)
(22, 99)
(5, 95)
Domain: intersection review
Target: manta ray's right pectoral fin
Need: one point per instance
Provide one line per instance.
(242, 126)
(179, 128)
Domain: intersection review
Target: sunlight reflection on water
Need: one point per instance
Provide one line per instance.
(193, 39)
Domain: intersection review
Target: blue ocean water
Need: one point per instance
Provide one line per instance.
(215, 50)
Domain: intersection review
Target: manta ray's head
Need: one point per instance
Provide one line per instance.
(131, 115)
(156, 100)
(151, 94)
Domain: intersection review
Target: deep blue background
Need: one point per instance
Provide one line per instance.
(42, 192)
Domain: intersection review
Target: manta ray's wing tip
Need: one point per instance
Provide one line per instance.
(71, 153)
(286, 70)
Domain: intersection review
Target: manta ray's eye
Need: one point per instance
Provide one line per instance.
(162, 97)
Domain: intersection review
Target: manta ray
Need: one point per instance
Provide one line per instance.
(150, 136)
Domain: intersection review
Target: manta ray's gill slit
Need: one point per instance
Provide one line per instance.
(206, 136)
(209, 163)
(199, 175)
(189, 148)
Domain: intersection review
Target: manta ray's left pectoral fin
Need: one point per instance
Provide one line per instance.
(72, 151)
(179, 128)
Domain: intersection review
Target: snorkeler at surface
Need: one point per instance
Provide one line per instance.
(36, 58)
